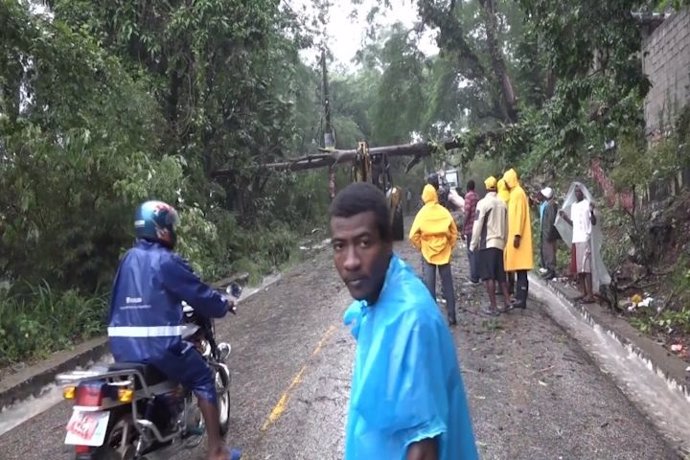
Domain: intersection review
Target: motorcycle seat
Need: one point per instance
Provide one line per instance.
(152, 376)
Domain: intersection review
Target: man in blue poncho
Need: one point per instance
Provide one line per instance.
(407, 400)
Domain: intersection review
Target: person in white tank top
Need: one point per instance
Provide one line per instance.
(582, 218)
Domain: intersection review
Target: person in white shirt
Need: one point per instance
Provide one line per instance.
(582, 218)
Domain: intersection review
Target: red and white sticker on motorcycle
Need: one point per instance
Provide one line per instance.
(87, 428)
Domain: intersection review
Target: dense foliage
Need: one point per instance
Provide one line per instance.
(104, 104)
(537, 84)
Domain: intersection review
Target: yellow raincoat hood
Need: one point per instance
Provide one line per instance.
(503, 192)
(511, 178)
(434, 231)
(429, 194)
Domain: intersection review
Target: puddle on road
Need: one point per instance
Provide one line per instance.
(664, 403)
(51, 395)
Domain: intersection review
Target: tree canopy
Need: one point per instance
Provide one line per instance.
(106, 104)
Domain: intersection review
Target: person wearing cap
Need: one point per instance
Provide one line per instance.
(549, 233)
(489, 234)
(518, 254)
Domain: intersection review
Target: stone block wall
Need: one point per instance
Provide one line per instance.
(666, 61)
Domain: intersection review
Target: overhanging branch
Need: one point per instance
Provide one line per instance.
(334, 157)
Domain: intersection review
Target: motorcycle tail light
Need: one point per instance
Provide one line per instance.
(69, 392)
(81, 450)
(90, 394)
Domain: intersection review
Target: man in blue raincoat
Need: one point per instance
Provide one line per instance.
(145, 319)
(407, 400)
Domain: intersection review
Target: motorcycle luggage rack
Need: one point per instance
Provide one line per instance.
(81, 376)
(140, 423)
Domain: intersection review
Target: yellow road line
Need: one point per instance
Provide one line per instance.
(281, 405)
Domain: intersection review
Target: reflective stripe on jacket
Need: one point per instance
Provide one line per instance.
(146, 311)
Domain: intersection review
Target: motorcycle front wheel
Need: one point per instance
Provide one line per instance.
(223, 390)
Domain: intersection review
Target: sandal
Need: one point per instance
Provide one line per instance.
(490, 311)
(233, 454)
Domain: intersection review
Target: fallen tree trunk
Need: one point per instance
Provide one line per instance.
(334, 157)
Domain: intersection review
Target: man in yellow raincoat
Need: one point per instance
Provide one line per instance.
(518, 253)
(504, 195)
(434, 233)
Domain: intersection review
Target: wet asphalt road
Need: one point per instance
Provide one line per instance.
(533, 392)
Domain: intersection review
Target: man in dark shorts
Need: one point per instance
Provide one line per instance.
(489, 234)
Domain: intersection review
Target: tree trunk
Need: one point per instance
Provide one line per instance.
(334, 157)
(550, 86)
(498, 65)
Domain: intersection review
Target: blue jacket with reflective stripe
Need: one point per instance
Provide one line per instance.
(146, 310)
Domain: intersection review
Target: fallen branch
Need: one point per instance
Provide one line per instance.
(328, 157)
(542, 370)
(572, 359)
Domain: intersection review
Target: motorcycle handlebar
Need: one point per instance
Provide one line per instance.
(234, 291)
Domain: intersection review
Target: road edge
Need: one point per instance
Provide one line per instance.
(553, 294)
(35, 378)
(32, 380)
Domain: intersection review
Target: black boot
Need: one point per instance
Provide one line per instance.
(521, 291)
(452, 316)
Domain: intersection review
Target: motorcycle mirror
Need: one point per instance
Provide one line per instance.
(234, 290)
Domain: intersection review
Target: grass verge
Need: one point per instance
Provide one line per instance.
(37, 320)
(40, 321)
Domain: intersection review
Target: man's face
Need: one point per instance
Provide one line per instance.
(579, 195)
(360, 255)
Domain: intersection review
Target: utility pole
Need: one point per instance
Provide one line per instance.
(328, 135)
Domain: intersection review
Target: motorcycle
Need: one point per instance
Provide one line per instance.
(129, 411)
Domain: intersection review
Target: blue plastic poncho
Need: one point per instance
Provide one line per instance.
(406, 385)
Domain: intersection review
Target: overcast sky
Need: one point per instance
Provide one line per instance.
(347, 33)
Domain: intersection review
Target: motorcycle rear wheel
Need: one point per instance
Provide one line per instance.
(119, 442)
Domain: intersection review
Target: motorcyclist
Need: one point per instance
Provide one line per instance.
(146, 315)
